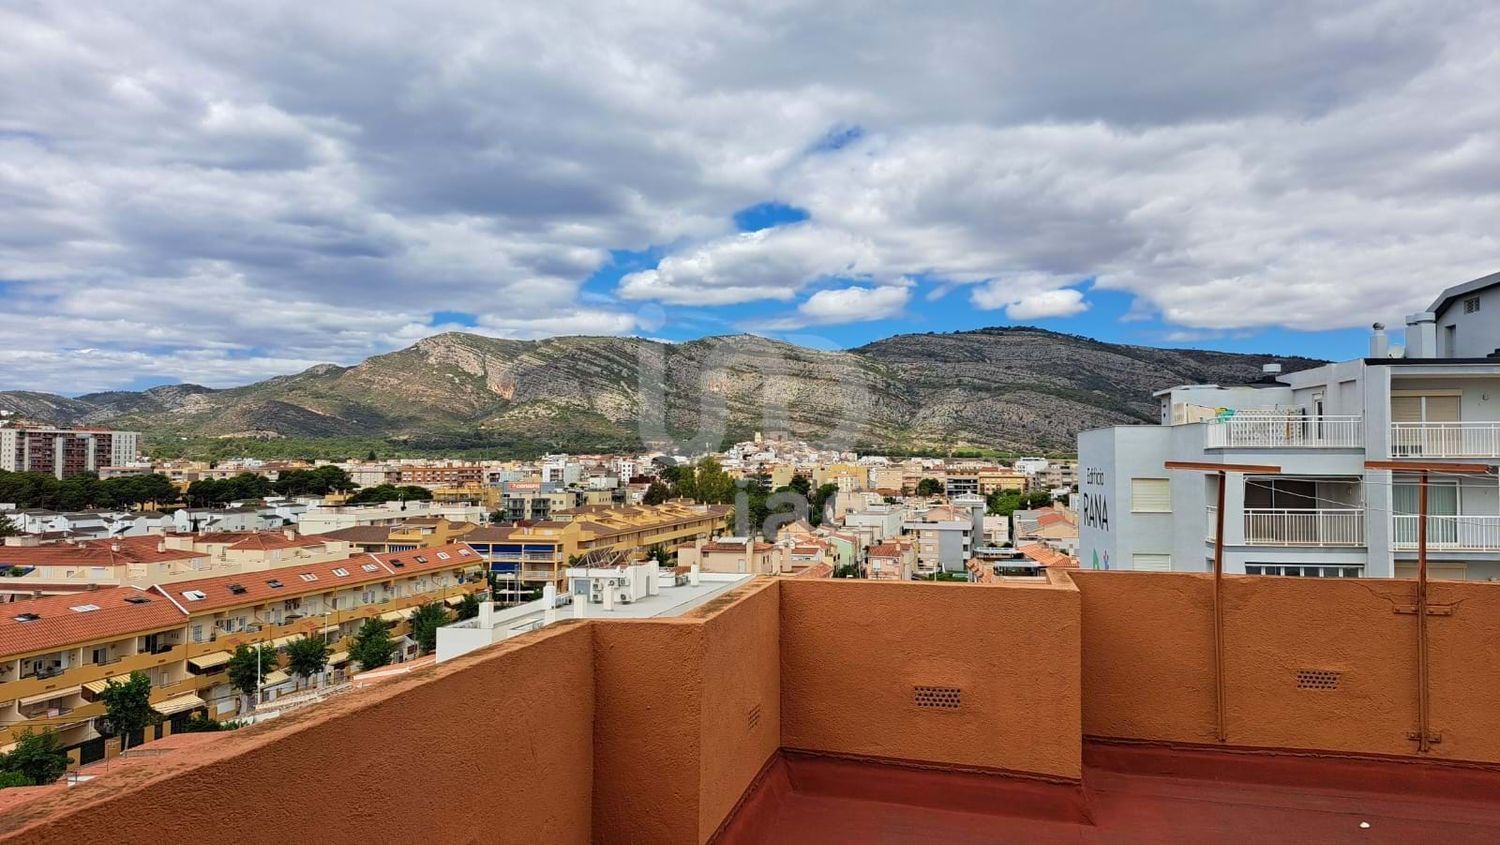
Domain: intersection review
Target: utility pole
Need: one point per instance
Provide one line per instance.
(1222, 471)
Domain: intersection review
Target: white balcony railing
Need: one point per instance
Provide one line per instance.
(1271, 431)
(1445, 440)
(1285, 527)
(1461, 533)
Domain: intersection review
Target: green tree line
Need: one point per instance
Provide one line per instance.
(83, 491)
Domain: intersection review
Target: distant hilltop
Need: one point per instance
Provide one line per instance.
(1011, 389)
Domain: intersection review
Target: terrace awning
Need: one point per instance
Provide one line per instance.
(275, 677)
(397, 615)
(178, 704)
(211, 660)
(48, 696)
(338, 657)
(453, 601)
(96, 687)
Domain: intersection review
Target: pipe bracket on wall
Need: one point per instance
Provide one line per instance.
(1432, 610)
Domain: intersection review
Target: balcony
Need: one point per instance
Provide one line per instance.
(1314, 528)
(787, 729)
(1285, 431)
(1445, 440)
(1448, 533)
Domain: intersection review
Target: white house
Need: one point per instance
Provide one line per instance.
(1322, 514)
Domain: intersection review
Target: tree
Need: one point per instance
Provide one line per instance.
(7, 527)
(656, 493)
(307, 657)
(37, 759)
(373, 646)
(127, 706)
(929, 487)
(390, 493)
(660, 555)
(425, 624)
(248, 667)
(820, 500)
(469, 607)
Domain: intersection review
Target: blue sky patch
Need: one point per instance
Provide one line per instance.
(768, 215)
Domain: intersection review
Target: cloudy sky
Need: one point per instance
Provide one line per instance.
(219, 192)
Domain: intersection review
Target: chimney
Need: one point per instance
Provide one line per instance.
(114, 547)
(289, 532)
(1379, 344)
(161, 546)
(1421, 335)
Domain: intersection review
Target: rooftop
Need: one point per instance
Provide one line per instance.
(1094, 707)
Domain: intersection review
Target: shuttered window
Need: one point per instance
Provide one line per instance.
(1150, 495)
(1151, 563)
(1416, 409)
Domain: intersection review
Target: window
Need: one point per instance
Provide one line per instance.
(443, 555)
(84, 608)
(99, 655)
(1151, 562)
(1150, 495)
(1471, 305)
(308, 576)
(370, 567)
(1304, 570)
(197, 633)
(194, 595)
(341, 572)
(274, 583)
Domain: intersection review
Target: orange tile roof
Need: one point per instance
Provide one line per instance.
(884, 550)
(248, 588)
(268, 540)
(1047, 556)
(116, 552)
(59, 625)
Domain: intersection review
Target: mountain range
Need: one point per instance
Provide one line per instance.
(1005, 389)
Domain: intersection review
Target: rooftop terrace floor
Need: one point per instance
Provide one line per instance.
(1130, 795)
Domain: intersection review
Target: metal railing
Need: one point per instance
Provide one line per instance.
(1460, 533)
(1296, 527)
(1270, 431)
(1445, 440)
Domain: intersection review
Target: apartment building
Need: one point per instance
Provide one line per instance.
(441, 475)
(529, 556)
(945, 536)
(64, 452)
(321, 520)
(416, 533)
(890, 562)
(1321, 512)
(57, 652)
(536, 501)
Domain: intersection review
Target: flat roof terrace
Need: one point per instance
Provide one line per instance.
(1083, 709)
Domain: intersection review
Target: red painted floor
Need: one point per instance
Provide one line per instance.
(1125, 806)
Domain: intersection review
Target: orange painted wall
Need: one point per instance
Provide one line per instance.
(1148, 670)
(412, 761)
(672, 716)
(646, 730)
(851, 651)
(1464, 660)
(741, 703)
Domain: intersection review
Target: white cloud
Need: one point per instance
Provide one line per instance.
(768, 264)
(844, 305)
(1051, 303)
(217, 191)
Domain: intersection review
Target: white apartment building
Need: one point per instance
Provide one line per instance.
(1322, 513)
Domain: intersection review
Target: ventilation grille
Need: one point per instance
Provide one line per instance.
(1318, 679)
(754, 718)
(938, 698)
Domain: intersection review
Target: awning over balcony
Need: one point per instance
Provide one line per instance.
(338, 657)
(212, 660)
(453, 601)
(275, 677)
(283, 642)
(178, 704)
(397, 615)
(48, 696)
(96, 687)
(328, 629)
